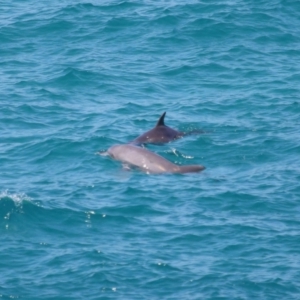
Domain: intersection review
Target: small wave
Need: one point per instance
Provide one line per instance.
(17, 198)
(71, 76)
(11, 203)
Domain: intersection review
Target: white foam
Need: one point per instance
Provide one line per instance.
(18, 198)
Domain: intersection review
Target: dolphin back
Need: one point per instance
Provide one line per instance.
(148, 161)
(190, 169)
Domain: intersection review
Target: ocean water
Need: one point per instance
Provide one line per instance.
(77, 77)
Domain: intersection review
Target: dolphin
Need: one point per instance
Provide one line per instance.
(148, 161)
(160, 134)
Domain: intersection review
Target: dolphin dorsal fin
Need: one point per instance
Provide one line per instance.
(161, 120)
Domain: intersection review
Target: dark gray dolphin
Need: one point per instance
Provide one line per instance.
(161, 134)
(148, 161)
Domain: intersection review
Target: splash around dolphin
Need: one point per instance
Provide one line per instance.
(148, 161)
(161, 134)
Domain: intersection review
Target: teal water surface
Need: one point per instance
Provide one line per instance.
(80, 76)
